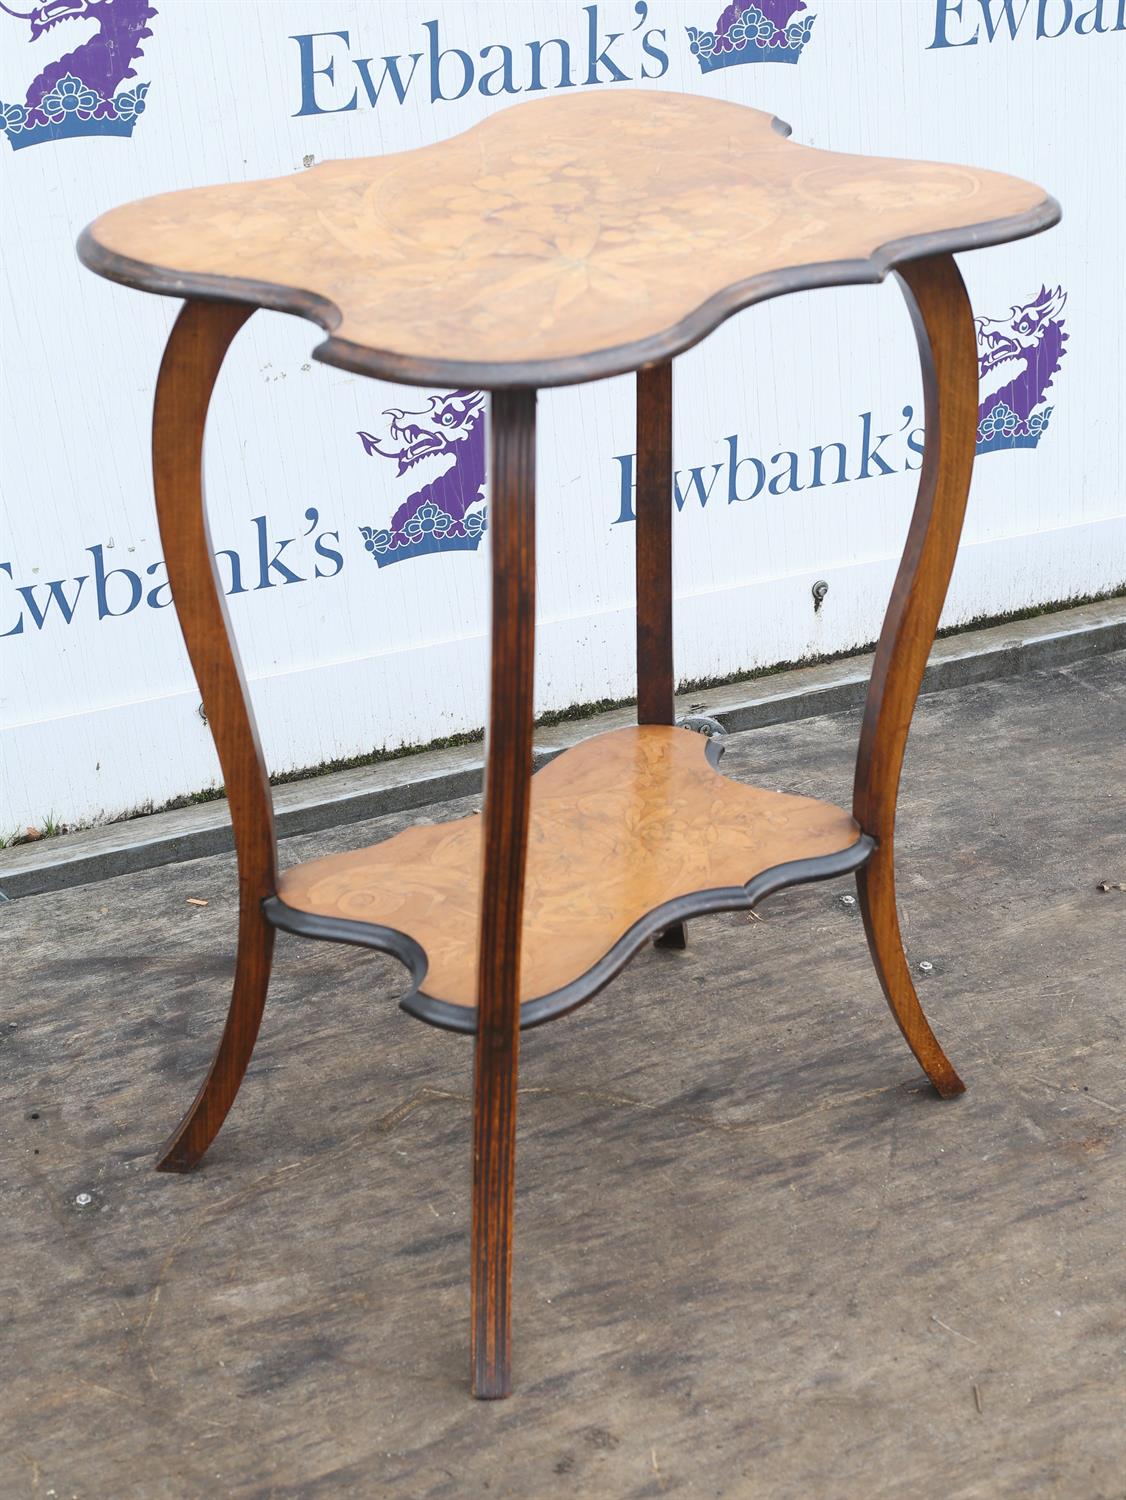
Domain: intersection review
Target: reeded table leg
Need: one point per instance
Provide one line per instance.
(653, 562)
(944, 327)
(192, 359)
(508, 775)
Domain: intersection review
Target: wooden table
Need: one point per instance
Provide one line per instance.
(557, 242)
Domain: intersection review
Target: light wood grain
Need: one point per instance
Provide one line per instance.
(621, 824)
(554, 230)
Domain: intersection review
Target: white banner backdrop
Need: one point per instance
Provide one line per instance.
(358, 596)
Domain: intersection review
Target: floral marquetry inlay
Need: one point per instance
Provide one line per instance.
(584, 227)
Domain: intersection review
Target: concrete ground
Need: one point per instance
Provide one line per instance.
(755, 1256)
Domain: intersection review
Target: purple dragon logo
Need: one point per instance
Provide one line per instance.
(76, 95)
(1018, 356)
(445, 442)
(751, 31)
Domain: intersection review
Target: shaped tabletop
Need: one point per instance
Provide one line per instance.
(556, 241)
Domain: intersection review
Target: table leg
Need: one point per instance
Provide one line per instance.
(508, 772)
(653, 559)
(944, 328)
(192, 359)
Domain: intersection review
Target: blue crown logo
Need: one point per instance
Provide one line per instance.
(428, 530)
(72, 108)
(1004, 428)
(751, 33)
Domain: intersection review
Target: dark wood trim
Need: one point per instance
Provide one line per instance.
(387, 940)
(504, 816)
(196, 348)
(653, 508)
(574, 369)
(944, 328)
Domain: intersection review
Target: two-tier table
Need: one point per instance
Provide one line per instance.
(557, 242)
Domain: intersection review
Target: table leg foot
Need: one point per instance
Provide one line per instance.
(674, 937)
(202, 1122)
(494, 1158)
(875, 885)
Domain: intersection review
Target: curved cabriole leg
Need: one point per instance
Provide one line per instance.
(195, 351)
(653, 565)
(940, 311)
(508, 775)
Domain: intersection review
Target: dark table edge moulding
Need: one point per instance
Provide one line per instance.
(575, 369)
(463, 1018)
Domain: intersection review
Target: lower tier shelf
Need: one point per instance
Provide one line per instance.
(631, 831)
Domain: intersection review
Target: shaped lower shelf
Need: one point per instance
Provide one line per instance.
(631, 831)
